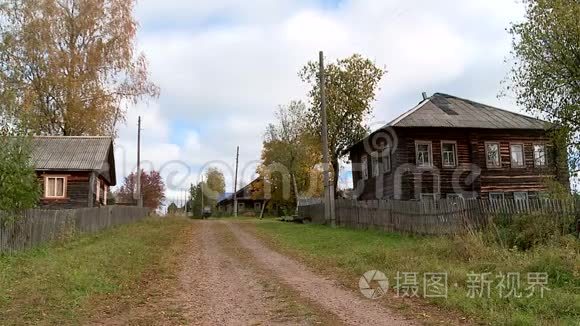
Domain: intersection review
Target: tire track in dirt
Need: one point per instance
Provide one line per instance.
(349, 307)
(219, 287)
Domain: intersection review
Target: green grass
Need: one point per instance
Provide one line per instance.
(350, 253)
(60, 283)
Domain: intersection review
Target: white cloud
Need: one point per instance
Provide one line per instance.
(224, 65)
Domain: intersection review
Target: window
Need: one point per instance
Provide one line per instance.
(449, 154)
(521, 199)
(55, 187)
(492, 155)
(520, 196)
(517, 155)
(496, 196)
(386, 159)
(375, 163)
(98, 190)
(540, 155)
(424, 153)
(429, 197)
(364, 167)
(257, 206)
(454, 196)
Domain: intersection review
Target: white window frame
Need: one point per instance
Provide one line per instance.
(527, 196)
(455, 163)
(513, 164)
(364, 161)
(537, 158)
(64, 186)
(386, 163)
(455, 196)
(257, 206)
(98, 192)
(375, 164)
(491, 194)
(429, 152)
(105, 192)
(488, 163)
(433, 195)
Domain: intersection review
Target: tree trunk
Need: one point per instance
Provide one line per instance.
(336, 171)
(295, 192)
(263, 208)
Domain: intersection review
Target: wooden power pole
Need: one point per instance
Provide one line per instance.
(328, 185)
(138, 190)
(236, 183)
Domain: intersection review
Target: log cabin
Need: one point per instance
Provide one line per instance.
(450, 147)
(250, 200)
(74, 172)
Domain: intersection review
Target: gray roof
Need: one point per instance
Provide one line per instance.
(65, 153)
(442, 110)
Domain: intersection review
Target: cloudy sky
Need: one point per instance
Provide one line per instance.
(224, 65)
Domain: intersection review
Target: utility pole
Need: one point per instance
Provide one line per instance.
(138, 191)
(328, 187)
(236, 183)
(186, 201)
(202, 204)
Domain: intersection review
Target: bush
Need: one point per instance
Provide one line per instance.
(20, 189)
(526, 231)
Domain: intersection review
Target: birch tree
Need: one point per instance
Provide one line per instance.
(70, 67)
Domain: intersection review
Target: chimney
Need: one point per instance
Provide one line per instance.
(424, 96)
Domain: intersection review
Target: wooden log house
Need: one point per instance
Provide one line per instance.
(450, 147)
(74, 172)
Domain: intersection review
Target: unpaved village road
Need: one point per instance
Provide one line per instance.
(231, 278)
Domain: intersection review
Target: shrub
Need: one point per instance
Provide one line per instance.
(526, 231)
(19, 188)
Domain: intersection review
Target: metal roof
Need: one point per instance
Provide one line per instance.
(442, 110)
(66, 153)
(448, 111)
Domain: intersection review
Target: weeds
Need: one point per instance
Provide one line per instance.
(353, 252)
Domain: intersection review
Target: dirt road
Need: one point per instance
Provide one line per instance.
(231, 278)
(226, 276)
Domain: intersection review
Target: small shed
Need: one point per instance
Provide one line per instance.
(74, 172)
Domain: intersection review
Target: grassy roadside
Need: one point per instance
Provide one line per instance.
(350, 253)
(67, 283)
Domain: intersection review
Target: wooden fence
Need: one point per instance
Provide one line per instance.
(441, 217)
(37, 226)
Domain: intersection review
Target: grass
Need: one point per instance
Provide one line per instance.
(66, 283)
(350, 253)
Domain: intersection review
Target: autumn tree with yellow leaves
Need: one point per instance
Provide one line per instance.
(70, 67)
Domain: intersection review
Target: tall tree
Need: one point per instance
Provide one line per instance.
(207, 191)
(152, 189)
(215, 185)
(290, 148)
(351, 87)
(545, 76)
(70, 67)
(195, 202)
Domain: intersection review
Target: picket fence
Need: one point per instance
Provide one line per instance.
(37, 226)
(435, 218)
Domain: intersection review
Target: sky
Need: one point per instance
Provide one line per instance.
(224, 66)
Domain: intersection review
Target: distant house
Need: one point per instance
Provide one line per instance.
(74, 172)
(250, 199)
(449, 147)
